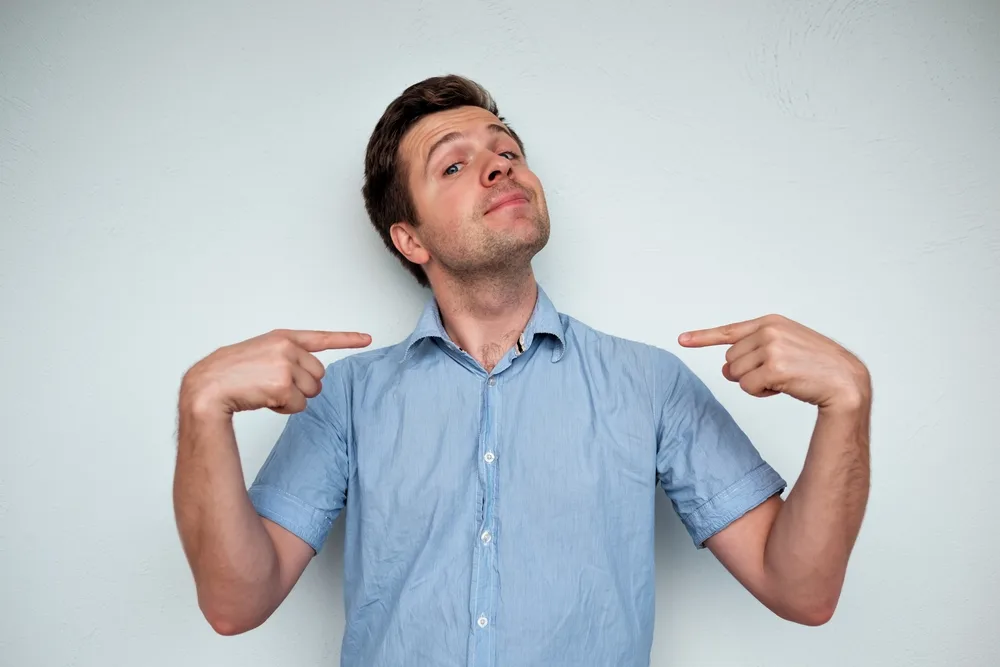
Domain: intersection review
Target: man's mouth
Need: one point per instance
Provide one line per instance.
(508, 201)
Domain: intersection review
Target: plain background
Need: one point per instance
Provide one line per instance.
(179, 176)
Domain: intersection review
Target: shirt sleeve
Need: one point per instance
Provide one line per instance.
(705, 463)
(302, 485)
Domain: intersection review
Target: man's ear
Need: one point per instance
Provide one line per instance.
(407, 241)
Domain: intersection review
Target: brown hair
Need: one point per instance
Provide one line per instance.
(387, 197)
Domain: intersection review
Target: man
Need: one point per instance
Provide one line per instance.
(499, 466)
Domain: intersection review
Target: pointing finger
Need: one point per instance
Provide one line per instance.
(724, 335)
(317, 341)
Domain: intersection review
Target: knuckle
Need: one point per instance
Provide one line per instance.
(283, 346)
(770, 354)
(283, 380)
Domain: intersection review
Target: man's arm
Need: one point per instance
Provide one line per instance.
(793, 555)
(244, 566)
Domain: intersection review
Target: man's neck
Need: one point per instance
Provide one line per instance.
(485, 317)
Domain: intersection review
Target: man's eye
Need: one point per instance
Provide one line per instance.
(453, 169)
(512, 154)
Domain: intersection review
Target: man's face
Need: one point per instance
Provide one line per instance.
(481, 210)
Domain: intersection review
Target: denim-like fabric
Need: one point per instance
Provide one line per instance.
(506, 518)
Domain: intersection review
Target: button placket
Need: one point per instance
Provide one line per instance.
(484, 563)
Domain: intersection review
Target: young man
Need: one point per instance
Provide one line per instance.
(499, 466)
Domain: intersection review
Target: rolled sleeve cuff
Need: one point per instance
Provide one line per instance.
(307, 523)
(726, 506)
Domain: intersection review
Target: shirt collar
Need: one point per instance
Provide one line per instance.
(544, 319)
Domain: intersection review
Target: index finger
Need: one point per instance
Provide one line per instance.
(725, 335)
(317, 341)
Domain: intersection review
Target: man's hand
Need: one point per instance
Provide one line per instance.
(792, 555)
(243, 565)
(274, 370)
(773, 354)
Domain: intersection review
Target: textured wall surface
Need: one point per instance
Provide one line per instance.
(178, 176)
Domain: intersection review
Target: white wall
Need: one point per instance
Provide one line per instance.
(175, 177)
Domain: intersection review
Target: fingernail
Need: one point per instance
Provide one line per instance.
(685, 337)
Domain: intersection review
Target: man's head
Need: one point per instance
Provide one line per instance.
(447, 185)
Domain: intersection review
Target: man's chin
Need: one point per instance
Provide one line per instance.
(519, 218)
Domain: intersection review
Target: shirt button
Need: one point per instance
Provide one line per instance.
(492, 380)
(482, 621)
(486, 537)
(489, 457)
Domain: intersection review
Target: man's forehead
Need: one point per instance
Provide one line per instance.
(430, 128)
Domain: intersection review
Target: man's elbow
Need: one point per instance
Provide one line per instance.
(227, 623)
(226, 627)
(809, 612)
(815, 616)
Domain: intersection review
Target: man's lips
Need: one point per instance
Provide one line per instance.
(506, 201)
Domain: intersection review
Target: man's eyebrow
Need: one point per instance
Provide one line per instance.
(494, 128)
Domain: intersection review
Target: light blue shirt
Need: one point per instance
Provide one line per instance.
(506, 518)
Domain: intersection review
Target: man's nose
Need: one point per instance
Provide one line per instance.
(497, 168)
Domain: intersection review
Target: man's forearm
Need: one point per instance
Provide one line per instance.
(810, 542)
(232, 557)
